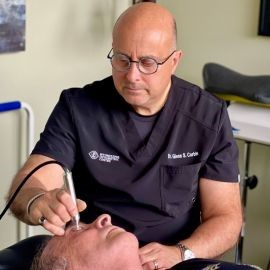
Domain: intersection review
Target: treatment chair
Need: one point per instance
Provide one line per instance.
(20, 255)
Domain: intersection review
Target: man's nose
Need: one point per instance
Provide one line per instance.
(103, 220)
(133, 73)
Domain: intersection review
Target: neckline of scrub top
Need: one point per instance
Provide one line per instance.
(139, 150)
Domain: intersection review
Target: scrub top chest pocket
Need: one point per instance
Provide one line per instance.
(178, 188)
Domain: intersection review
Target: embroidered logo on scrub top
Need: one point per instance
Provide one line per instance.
(183, 155)
(212, 267)
(103, 157)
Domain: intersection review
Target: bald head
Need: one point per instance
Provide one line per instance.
(144, 34)
(147, 17)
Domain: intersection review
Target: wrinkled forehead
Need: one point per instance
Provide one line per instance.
(60, 244)
(66, 251)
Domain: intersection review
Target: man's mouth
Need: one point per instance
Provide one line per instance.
(113, 230)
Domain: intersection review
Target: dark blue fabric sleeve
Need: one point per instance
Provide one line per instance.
(222, 163)
(58, 140)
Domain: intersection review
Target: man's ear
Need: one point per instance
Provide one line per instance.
(176, 59)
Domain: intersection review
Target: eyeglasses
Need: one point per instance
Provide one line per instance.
(145, 65)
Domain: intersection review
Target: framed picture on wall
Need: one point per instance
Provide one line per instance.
(264, 19)
(139, 1)
(12, 25)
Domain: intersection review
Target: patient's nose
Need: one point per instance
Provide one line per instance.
(103, 220)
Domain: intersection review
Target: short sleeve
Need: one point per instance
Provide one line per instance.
(58, 140)
(222, 163)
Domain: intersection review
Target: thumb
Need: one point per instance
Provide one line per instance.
(81, 205)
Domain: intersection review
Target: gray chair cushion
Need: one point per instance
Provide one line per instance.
(222, 80)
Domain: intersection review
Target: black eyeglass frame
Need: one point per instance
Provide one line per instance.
(138, 62)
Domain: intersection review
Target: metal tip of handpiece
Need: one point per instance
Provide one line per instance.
(76, 226)
(70, 188)
(76, 221)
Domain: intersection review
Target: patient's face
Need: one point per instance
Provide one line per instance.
(97, 246)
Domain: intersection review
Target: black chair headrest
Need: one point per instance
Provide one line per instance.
(20, 255)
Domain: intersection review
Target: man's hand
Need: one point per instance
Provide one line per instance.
(157, 256)
(54, 204)
(57, 208)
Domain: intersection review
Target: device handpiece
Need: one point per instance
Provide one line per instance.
(70, 188)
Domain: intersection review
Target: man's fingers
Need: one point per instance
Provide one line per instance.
(57, 207)
(149, 253)
(65, 198)
(81, 205)
(157, 256)
(52, 208)
(57, 214)
(53, 228)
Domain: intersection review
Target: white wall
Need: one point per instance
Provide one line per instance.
(66, 45)
(220, 31)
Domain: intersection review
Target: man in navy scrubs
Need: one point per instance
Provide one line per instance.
(150, 149)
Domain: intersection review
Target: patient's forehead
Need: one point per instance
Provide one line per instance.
(69, 250)
(60, 245)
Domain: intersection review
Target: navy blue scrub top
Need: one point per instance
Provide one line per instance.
(148, 187)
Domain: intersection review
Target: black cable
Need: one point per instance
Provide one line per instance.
(24, 181)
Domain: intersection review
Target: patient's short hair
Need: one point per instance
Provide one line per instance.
(46, 260)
